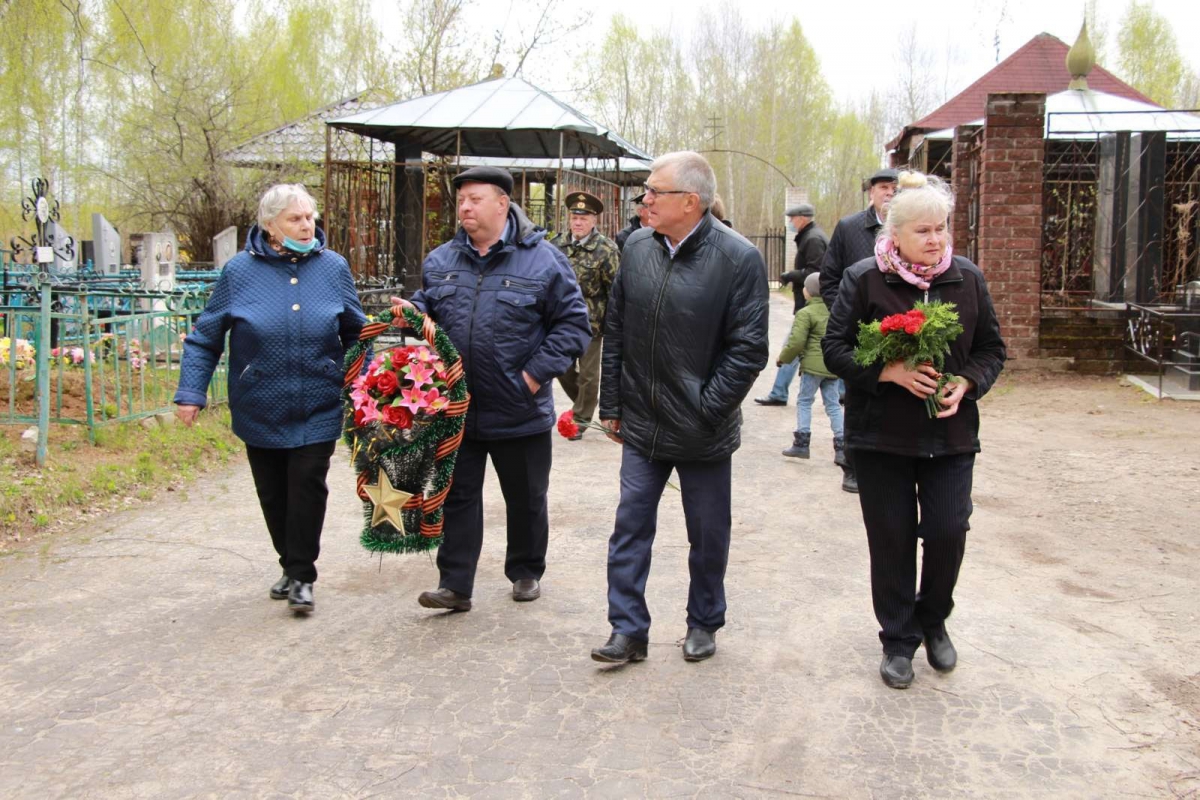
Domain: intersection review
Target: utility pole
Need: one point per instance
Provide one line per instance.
(714, 125)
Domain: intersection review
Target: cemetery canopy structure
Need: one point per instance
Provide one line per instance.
(550, 147)
(1040, 65)
(1077, 196)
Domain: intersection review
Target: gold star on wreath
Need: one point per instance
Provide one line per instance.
(388, 501)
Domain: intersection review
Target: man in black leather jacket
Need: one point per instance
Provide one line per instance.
(685, 337)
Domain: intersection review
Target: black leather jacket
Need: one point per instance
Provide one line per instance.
(684, 340)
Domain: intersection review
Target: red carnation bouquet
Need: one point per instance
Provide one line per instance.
(568, 428)
(920, 336)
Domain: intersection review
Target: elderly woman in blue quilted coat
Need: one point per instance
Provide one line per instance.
(290, 310)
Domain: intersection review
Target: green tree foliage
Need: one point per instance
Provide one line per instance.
(1149, 59)
(742, 96)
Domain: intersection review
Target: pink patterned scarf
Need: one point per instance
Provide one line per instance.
(919, 275)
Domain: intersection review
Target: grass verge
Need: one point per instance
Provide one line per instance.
(129, 464)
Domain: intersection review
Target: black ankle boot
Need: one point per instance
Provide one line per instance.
(799, 448)
(839, 451)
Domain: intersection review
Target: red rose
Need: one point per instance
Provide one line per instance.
(388, 384)
(399, 416)
(372, 380)
(566, 425)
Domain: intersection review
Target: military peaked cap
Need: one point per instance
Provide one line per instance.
(584, 203)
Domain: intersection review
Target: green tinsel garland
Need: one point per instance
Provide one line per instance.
(372, 445)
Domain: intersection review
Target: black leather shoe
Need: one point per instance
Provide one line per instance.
(896, 671)
(849, 481)
(279, 590)
(526, 589)
(939, 650)
(445, 598)
(620, 649)
(300, 597)
(699, 644)
(767, 400)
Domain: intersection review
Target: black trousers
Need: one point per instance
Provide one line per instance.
(292, 492)
(523, 469)
(905, 499)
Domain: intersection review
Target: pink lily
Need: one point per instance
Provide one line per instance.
(413, 399)
(370, 409)
(360, 381)
(423, 354)
(437, 401)
(420, 374)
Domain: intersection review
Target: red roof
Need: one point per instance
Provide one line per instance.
(1039, 66)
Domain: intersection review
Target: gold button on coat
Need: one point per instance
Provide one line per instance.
(295, 307)
(295, 280)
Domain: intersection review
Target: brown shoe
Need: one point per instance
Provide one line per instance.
(526, 589)
(445, 598)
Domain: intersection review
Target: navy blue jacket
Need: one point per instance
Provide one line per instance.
(516, 309)
(290, 319)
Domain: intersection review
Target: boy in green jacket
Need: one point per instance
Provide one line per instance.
(805, 342)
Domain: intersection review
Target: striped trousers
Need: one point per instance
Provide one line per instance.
(904, 499)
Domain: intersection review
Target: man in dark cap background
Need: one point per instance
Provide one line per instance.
(595, 259)
(509, 302)
(638, 220)
(853, 240)
(811, 242)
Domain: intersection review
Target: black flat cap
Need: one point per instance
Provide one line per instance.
(493, 175)
(882, 175)
(584, 203)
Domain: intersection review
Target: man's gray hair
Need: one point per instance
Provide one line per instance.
(693, 173)
(279, 197)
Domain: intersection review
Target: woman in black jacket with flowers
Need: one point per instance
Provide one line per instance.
(914, 472)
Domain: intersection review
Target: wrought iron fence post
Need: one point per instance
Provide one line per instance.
(43, 368)
(90, 404)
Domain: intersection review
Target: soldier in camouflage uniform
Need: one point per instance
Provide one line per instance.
(595, 259)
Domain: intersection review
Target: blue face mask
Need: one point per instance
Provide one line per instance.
(297, 247)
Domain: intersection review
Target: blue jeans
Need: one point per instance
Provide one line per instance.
(809, 384)
(705, 489)
(783, 380)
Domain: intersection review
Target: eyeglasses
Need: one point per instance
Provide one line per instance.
(652, 192)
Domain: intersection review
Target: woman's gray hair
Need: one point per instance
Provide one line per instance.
(918, 196)
(279, 197)
(693, 173)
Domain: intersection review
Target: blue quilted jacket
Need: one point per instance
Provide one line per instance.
(516, 309)
(289, 319)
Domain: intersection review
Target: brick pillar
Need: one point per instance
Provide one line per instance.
(1010, 215)
(960, 180)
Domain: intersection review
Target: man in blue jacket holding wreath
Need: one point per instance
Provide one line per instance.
(510, 303)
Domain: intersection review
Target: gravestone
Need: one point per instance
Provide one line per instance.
(60, 266)
(159, 252)
(106, 246)
(225, 246)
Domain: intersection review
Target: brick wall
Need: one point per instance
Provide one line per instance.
(1093, 342)
(1010, 211)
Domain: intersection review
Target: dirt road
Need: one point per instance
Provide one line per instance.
(142, 657)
